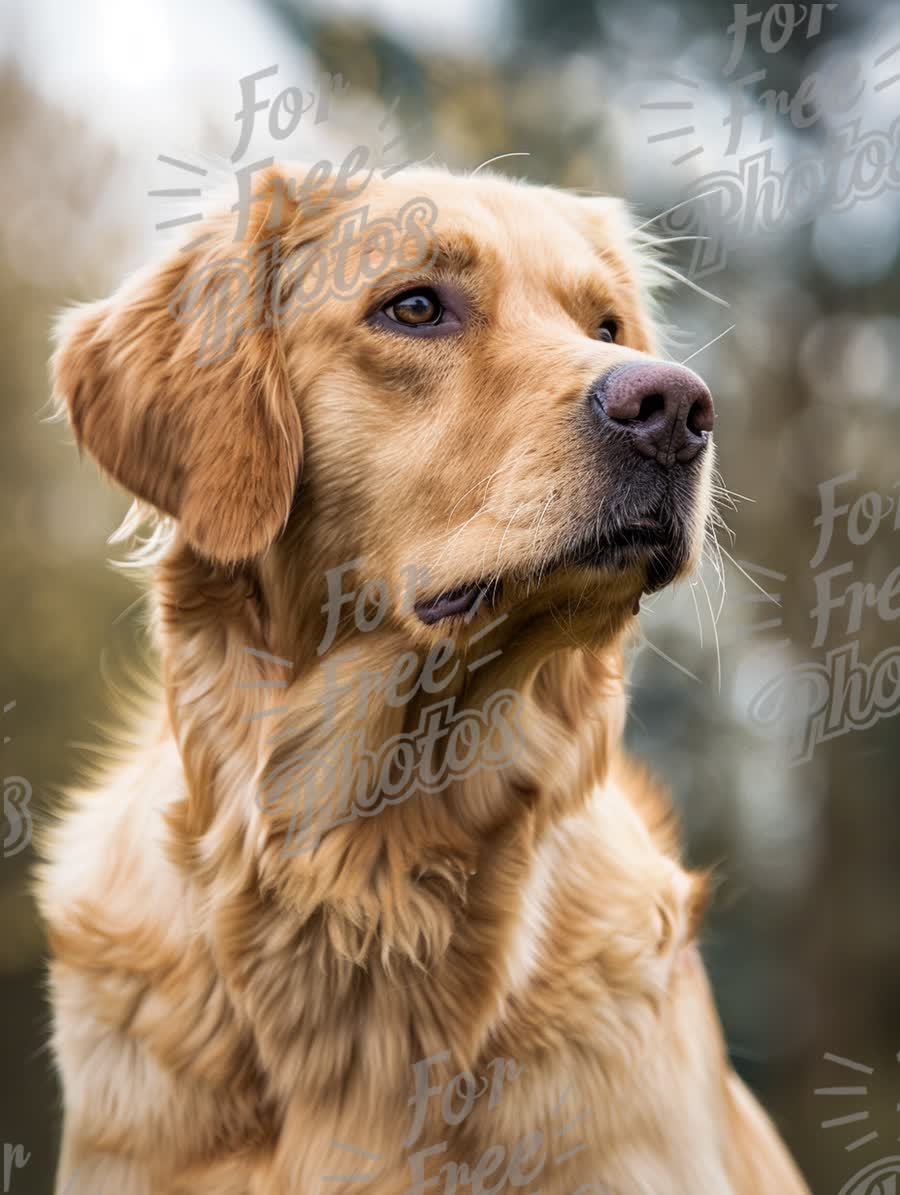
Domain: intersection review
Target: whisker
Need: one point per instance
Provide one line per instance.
(708, 343)
(506, 532)
(499, 157)
(541, 519)
(746, 574)
(720, 485)
(484, 481)
(715, 558)
(675, 207)
(457, 533)
(669, 660)
(688, 282)
(673, 240)
(715, 634)
(697, 612)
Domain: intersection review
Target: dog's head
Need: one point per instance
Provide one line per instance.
(443, 377)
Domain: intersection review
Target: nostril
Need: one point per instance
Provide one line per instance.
(700, 416)
(694, 419)
(650, 406)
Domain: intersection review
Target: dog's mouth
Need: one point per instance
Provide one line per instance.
(653, 541)
(462, 602)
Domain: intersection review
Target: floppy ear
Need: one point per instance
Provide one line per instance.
(193, 415)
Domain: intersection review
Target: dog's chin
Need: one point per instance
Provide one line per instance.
(649, 548)
(625, 562)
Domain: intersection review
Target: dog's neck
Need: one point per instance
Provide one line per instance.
(294, 757)
(431, 884)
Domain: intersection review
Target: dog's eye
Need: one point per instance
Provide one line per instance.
(425, 312)
(608, 331)
(417, 309)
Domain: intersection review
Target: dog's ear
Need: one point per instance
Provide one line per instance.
(178, 387)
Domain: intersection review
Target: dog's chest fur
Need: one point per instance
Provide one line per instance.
(240, 1030)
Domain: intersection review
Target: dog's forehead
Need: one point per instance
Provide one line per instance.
(534, 226)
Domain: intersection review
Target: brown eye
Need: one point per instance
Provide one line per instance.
(416, 309)
(608, 331)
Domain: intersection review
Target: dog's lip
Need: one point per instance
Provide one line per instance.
(652, 540)
(615, 550)
(463, 600)
(648, 531)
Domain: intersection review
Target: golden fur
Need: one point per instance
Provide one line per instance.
(227, 1010)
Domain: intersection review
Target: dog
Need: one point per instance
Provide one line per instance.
(373, 896)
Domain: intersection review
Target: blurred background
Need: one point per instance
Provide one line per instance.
(788, 789)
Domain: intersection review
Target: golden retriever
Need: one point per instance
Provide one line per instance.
(374, 901)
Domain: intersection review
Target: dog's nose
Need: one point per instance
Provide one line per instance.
(666, 409)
